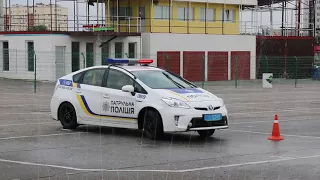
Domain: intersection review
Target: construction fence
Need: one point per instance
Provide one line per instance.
(200, 67)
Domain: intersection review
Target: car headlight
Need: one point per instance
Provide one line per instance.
(176, 103)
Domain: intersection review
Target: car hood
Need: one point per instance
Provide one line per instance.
(189, 95)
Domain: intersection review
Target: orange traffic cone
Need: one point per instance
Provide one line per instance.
(275, 136)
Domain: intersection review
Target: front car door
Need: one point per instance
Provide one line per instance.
(122, 108)
(89, 94)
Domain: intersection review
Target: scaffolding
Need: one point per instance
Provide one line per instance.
(293, 18)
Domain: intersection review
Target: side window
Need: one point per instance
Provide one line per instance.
(117, 79)
(77, 77)
(93, 77)
(139, 89)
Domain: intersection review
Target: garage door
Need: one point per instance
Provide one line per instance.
(193, 65)
(217, 66)
(240, 64)
(169, 60)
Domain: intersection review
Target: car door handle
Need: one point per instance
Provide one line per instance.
(105, 96)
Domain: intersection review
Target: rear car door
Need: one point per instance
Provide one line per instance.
(88, 94)
(122, 108)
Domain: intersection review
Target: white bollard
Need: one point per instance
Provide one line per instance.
(267, 79)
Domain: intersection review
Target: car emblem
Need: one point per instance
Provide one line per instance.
(67, 83)
(210, 107)
(105, 106)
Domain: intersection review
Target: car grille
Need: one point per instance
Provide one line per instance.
(199, 122)
(206, 109)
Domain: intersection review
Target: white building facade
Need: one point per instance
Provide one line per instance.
(54, 56)
(59, 54)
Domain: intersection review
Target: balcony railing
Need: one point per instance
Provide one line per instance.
(289, 29)
(69, 23)
(136, 24)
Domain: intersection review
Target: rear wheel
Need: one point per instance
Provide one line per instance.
(206, 133)
(67, 116)
(152, 124)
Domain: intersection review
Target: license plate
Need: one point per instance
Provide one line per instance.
(212, 117)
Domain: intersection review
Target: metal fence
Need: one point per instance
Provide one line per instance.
(200, 67)
(136, 24)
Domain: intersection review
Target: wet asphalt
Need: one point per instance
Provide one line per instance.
(33, 146)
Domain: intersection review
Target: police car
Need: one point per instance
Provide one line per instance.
(133, 94)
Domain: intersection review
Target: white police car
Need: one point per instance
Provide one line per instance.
(128, 95)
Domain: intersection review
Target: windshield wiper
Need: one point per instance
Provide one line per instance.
(179, 85)
(179, 77)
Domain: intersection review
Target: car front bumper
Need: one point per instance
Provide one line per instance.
(179, 119)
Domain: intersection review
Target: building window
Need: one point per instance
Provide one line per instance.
(75, 56)
(104, 53)
(318, 20)
(30, 54)
(184, 14)
(162, 12)
(210, 14)
(228, 15)
(142, 12)
(123, 12)
(132, 50)
(118, 49)
(5, 55)
(89, 55)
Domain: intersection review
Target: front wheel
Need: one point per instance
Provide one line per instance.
(67, 116)
(206, 133)
(152, 124)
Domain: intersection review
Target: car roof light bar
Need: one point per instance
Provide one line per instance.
(129, 61)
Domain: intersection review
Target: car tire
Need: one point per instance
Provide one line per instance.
(206, 133)
(67, 116)
(152, 124)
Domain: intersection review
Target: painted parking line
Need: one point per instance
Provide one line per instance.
(164, 171)
(250, 163)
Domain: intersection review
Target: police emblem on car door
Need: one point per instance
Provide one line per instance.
(117, 104)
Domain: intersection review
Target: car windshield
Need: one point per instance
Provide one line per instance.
(162, 79)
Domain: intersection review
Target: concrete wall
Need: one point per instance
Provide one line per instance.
(200, 42)
(44, 46)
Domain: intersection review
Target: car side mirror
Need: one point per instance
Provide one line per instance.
(128, 88)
